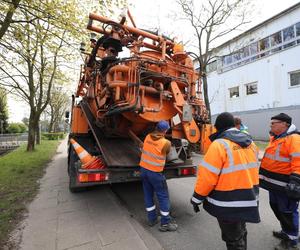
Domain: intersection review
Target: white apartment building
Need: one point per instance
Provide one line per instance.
(257, 74)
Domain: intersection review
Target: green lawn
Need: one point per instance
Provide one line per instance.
(19, 172)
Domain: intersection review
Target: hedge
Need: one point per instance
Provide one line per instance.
(53, 136)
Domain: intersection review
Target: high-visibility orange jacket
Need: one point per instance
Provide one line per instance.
(227, 178)
(281, 161)
(155, 149)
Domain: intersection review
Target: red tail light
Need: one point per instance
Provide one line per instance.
(187, 171)
(92, 177)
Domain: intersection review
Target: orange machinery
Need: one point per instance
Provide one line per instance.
(119, 100)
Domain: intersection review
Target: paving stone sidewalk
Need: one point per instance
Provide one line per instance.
(94, 219)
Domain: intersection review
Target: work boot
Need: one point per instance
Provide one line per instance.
(171, 227)
(152, 223)
(280, 235)
(286, 245)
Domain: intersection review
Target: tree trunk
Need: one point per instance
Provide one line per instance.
(8, 18)
(205, 93)
(50, 128)
(38, 133)
(31, 132)
(55, 127)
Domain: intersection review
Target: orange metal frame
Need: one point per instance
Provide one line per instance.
(153, 84)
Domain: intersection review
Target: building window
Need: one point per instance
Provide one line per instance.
(264, 44)
(245, 53)
(251, 88)
(234, 92)
(278, 41)
(212, 66)
(275, 40)
(288, 34)
(253, 48)
(236, 56)
(298, 31)
(295, 78)
(227, 59)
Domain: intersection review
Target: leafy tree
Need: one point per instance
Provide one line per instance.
(25, 120)
(22, 127)
(13, 128)
(39, 49)
(211, 21)
(6, 17)
(3, 111)
(16, 127)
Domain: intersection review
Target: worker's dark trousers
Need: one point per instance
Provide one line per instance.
(154, 182)
(286, 211)
(234, 234)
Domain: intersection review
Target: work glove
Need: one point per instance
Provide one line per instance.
(293, 187)
(196, 208)
(195, 205)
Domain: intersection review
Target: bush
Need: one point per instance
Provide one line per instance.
(53, 136)
(22, 127)
(16, 127)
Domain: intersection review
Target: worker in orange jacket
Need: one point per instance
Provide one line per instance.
(280, 175)
(227, 182)
(153, 158)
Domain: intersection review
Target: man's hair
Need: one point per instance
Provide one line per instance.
(224, 121)
(282, 117)
(237, 121)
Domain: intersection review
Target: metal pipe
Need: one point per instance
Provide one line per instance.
(134, 137)
(131, 19)
(133, 30)
(163, 49)
(97, 29)
(120, 84)
(148, 109)
(117, 94)
(120, 68)
(103, 93)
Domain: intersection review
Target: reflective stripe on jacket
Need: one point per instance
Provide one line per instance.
(281, 159)
(227, 181)
(153, 158)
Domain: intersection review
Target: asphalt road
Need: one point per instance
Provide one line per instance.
(101, 219)
(196, 231)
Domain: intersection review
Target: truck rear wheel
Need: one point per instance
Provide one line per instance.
(73, 186)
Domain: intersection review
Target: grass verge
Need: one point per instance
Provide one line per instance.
(261, 144)
(19, 175)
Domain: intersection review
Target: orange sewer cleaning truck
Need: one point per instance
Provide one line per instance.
(119, 100)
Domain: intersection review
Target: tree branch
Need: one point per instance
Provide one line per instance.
(8, 18)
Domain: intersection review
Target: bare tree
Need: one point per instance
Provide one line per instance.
(212, 21)
(58, 104)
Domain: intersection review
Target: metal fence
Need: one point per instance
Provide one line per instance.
(11, 141)
(13, 137)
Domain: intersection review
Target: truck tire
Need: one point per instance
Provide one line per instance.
(72, 173)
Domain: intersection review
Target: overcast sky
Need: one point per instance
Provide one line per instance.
(156, 14)
(161, 14)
